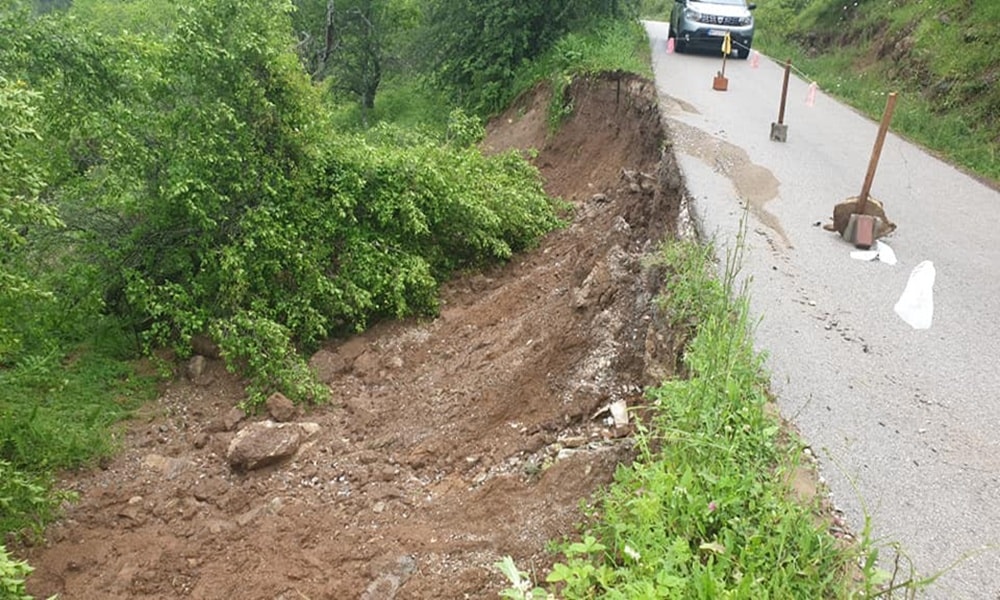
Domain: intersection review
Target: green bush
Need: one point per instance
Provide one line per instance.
(477, 48)
(12, 576)
(206, 189)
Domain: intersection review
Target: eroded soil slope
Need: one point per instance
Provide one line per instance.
(449, 442)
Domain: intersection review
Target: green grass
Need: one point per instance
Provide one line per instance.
(58, 412)
(706, 510)
(607, 46)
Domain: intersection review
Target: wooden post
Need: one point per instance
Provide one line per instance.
(784, 92)
(779, 131)
(866, 188)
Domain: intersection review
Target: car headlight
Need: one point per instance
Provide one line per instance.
(692, 15)
(747, 20)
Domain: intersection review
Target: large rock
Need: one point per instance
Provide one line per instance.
(266, 443)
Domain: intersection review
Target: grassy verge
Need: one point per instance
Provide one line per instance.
(706, 510)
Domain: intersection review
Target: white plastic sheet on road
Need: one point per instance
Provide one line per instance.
(882, 252)
(916, 305)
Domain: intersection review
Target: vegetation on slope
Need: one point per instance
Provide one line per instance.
(185, 176)
(707, 508)
(192, 175)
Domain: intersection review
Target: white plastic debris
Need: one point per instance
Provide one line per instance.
(882, 252)
(885, 253)
(619, 412)
(916, 305)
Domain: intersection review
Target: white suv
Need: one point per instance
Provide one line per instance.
(704, 24)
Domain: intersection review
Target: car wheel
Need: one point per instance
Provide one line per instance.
(679, 45)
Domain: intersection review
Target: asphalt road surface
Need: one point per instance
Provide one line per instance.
(905, 422)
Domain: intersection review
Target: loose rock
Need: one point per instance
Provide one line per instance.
(261, 444)
(281, 408)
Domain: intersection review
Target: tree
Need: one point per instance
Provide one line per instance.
(476, 46)
(205, 190)
(352, 42)
(21, 209)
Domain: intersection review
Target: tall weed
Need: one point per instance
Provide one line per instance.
(705, 510)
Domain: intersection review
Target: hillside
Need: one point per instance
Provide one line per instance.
(448, 443)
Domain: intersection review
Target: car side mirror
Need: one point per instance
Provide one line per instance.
(751, 6)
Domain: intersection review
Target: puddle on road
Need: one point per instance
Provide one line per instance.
(754, 184)
(671, 106)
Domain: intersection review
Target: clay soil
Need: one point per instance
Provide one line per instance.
(449, 443)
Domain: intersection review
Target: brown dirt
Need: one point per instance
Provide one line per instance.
(449, 442)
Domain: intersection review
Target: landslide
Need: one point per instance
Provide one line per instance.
(448, 444)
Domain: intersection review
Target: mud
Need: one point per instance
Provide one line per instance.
(449, 442)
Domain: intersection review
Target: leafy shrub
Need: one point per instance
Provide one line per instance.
(27, 501)
(263, 348)
(464, 129)
(20, 207)
(210, 193)
(12, 576)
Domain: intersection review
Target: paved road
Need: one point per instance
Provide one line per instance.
(906, 422)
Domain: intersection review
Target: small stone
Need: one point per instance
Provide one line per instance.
(309, 430)
(209, 490)
(166, 466)
(387, 473)
(280, 408)
(232, 418)
(195, 367)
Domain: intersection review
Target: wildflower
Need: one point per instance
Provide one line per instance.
(632, 553)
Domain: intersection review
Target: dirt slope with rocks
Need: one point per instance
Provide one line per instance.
(449, 442)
